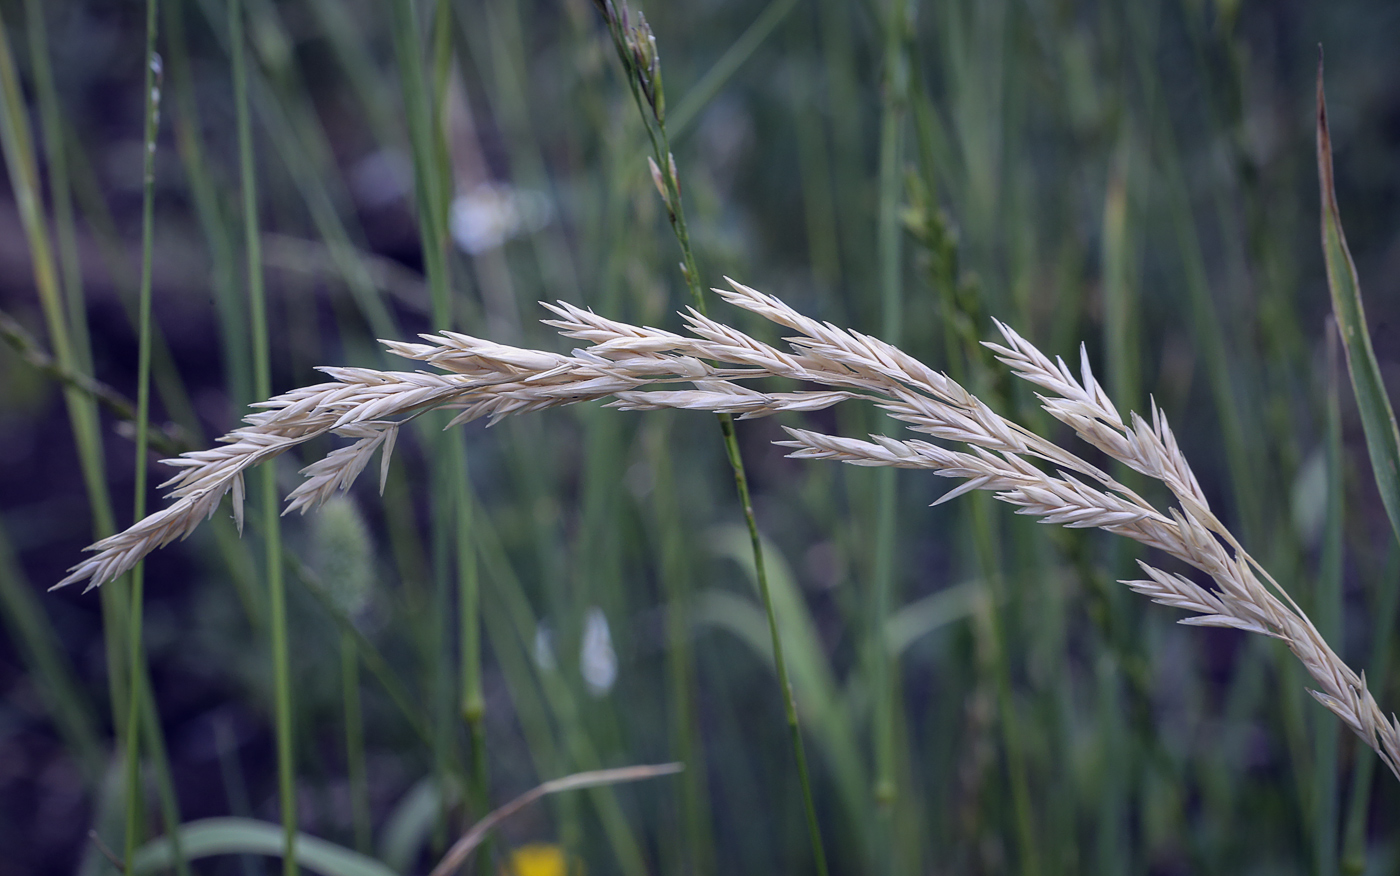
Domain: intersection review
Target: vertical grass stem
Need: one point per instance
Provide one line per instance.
(136, 664)
(889, 243)
(262, 380)
(637, 51)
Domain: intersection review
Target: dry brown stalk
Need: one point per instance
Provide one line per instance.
(480, 378)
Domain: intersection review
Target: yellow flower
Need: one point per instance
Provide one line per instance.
(541, 859)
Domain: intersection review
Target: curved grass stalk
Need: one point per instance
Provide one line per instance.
(479, 378)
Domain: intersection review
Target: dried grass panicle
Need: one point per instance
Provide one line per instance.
(638, 367)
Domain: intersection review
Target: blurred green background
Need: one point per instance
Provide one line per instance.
(1138, 177)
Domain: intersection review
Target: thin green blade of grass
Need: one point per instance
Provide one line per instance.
(425, 107)
(519, 618)
(1327, 614)
(209, 195)
(60, 192)
(212, 837)
(1122, 316)
(498, 40)
(411, 820)
(158, 754)
(121, 626)
(636, 50)
(1246, 691)
(493, 45)
(1387, 602)
(18, 142)
(703, 91)
(206, 195)
(183, 431)
(18, 148)
(304, 149)
(136, 655)
(884, 670)
(923, 616)
(1382, 445)
(814, 682)
(374, 92)
(591, 570)
(429, 205)
(38, 643)
(1122, 331)
(588, 572)
(843, 109)
(697, 846)
(818, 195)
(366, 650)
(1377, 416)
(262, 384)
(961, 298)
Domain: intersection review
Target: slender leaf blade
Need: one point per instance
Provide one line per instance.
(1377, 416)
(231, 836)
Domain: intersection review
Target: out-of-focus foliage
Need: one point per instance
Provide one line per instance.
(1138, 177)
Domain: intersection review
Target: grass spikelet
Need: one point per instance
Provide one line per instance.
(626, 362)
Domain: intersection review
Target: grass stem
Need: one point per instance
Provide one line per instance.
(890, 236)
(355, 743)
(637, 51)
(136, 657)
(18, 146)
(262, 387)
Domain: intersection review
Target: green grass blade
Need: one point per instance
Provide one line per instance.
(693, 790)
(121, 629)
(262, 388)
(425, 110)
(411, 821)
(636, 49)
(517, 615)
(34, 637)
(303, 146)
(211, 837)
(831, 723)
(1327, 615)
(923, 616)
(136, 655)
(370, 655)
(1377, 417)
(1387, 602)
(884, 667)
(60, 191)
(17, 144)
(204, 191)
(337, 22)
(733, 58)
